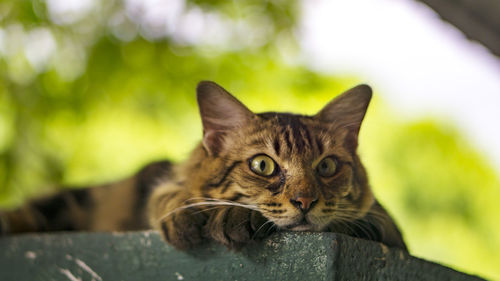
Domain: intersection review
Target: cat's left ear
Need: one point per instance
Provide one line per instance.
(220, 113)
(347, 111)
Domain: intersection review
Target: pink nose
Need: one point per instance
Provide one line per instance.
(303, 203)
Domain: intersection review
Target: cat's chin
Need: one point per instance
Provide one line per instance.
(304, 227)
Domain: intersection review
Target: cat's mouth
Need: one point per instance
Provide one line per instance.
(302, 225)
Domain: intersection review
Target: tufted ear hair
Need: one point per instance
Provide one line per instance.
(347, 111)
(220, 113)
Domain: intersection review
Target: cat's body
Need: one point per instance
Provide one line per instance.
(252, 174)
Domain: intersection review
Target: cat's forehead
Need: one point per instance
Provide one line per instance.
(285, 120)
(283, 134)
(290, 137)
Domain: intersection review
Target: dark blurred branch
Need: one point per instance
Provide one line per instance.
(479, 20)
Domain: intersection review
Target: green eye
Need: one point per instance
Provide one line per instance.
(327, 167)
(262, 165)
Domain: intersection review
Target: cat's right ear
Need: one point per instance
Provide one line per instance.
(347, 111)
(220, 113)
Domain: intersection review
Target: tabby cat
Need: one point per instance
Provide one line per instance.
(252, 174)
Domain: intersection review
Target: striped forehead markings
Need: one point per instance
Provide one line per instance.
(290, 135)
(296, 135)
(277, 146)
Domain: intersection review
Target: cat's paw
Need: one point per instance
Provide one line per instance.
(235, 227)
(183, 229)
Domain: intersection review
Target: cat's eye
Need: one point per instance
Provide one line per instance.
(327, 167)
(262, 165)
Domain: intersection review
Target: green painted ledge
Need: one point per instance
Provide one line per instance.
(144, 256)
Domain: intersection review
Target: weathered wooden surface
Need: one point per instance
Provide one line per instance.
(144, 256)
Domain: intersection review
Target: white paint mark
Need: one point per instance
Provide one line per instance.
(70, 275)
(146, 242)
(85, 267)
(179, 276)
(30, 255)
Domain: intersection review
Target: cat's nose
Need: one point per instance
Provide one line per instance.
(304, 203)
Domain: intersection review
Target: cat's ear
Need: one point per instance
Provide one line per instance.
(220, 113)
(347, 111)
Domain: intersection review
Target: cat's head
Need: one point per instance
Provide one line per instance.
(300, 172)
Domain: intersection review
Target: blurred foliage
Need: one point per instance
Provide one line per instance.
(91, 91)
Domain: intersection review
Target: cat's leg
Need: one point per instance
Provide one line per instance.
(235, 227)
(377, 225)
(184, 224)
(171, 214)
(389, 232)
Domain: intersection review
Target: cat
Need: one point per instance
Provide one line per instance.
(252, 174)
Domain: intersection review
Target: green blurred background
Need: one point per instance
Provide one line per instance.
(89, 95)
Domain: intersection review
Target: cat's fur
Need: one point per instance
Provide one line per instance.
(220, 192)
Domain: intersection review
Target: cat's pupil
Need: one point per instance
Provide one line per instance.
(262, 166)
(323, 166)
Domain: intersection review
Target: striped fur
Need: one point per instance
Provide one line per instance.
(215, 194)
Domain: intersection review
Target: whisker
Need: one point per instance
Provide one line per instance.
(215, 203)
(357, 228)
(243, 222)
(346, 228)
(208, 209)
(258, 229)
